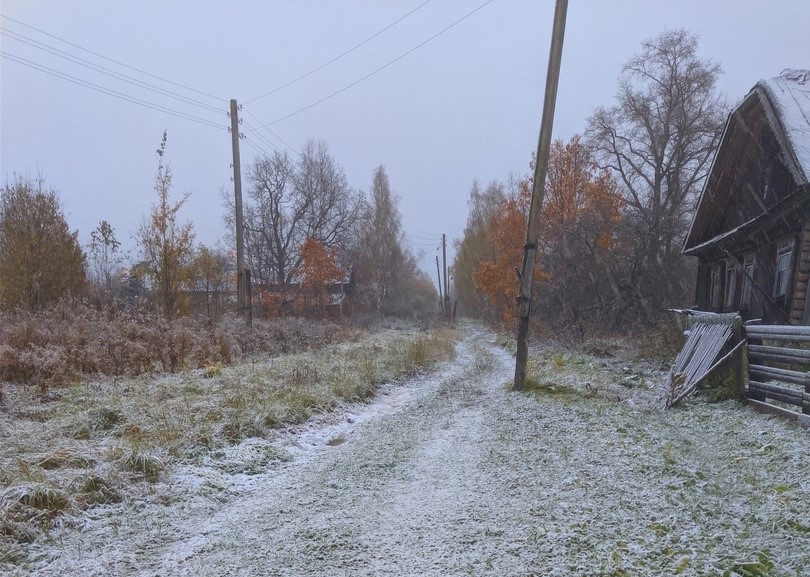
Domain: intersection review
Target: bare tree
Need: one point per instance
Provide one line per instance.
(40, 258)
(290, 202)
(658, 140)
(106, 259)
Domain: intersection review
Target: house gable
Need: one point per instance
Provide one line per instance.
(751, 228)
(755, 172)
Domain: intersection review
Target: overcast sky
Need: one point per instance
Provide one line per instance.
(465, 105)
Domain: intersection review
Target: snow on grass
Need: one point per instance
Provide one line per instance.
(117, 442)
(450, 474)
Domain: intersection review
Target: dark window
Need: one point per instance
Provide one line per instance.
(716, 286)
(784, 260)
(747, 281)
(731, 284)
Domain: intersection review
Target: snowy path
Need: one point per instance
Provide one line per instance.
(397, 497)
(449, 475)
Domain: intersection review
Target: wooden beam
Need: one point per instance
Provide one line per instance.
(769, 409)
(777, 393)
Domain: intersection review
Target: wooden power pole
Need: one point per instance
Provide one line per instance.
(524, 300)
(242, 276)
(439, 275)
(446, 282)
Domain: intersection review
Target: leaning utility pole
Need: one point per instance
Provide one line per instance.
(524, 300)
(439, 275)
(242, 276)
(446, 282)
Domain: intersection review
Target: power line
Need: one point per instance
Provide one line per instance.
(339, 56)
(372, 73)
(260, 151)
(113, 60)
(103, 70)
(425, 232)
(108, 91)
(421, 238)
(261, 138)
(281, 140)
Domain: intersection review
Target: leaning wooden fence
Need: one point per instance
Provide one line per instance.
(698, 359)
(777, 356)
(777, 372)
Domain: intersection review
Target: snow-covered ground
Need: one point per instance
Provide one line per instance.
(451, 474)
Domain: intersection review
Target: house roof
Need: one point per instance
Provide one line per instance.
(785, 101)
(789, 94)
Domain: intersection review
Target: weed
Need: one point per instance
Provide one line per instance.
(762, 567)
(668, 455)
(105, 419)
(212, 370)
(95, 490)
(148, 466)
(36, 496)
(61, 458)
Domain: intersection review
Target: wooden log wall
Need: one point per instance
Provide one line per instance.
(797, 306)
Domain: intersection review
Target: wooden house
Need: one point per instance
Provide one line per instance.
(751, 228)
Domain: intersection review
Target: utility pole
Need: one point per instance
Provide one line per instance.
(446, 282)
(242, 275)
(439, 276)
(524, 300)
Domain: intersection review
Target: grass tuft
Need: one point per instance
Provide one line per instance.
(148, 466)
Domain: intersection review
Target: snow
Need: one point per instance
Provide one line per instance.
(450, 474)
(790, 94)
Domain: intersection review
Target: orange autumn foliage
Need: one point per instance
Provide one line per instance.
(310, 295)
(579, 201)
(497, 277)
(317, 271)
(579, 216)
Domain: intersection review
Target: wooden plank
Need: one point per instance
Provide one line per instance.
(767, 408)
(691, 387)
(777, 332)
(779, 354)
(772, 373)
(777, 393)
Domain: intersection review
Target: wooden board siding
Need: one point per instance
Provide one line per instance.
(799, 311)
(703, 347)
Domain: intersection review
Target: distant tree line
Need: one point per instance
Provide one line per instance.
(311, 242)
(618, 203)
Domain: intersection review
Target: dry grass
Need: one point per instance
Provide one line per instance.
(56, 347)
(102, 440)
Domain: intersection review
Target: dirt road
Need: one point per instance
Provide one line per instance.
(449, 474)
(398, 491)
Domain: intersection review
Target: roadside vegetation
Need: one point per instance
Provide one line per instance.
(622, 486)
(105, 439)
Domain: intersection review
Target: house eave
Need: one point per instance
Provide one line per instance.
(761, 222)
